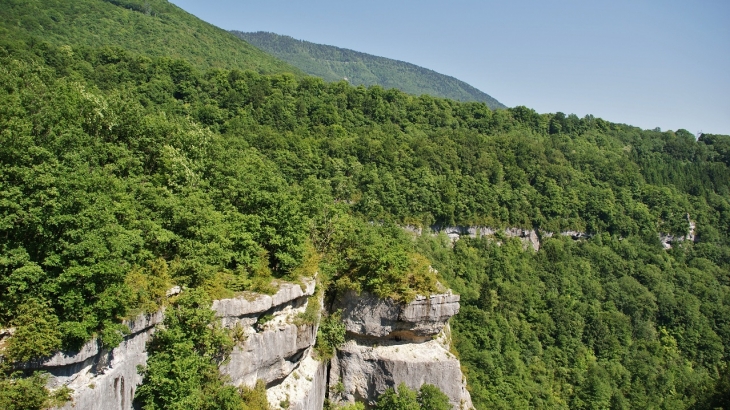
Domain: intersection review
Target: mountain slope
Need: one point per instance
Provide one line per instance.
(334, 64)
(154, 28)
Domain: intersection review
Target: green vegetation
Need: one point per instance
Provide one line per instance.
(428, 397)
(255, 399)
(335, 64)
(182, 369)
(116, 187)
(30, 393)
(107, 199)
(606, 323)
(121, 175)
(330, 335)
(36, 332)
(155, 28)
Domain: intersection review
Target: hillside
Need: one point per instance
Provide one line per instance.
(334, 64)
(123, 175)
(113, 188)
(154, 28)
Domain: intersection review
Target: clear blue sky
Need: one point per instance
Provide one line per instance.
(645, 63)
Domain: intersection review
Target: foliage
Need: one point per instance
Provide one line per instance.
(330, 335)
(262, 320)
(182, 368)
(149, 285)
(335, 64)
(431, 397)
(105, 203)
(36, 333)
(255, 399)
(354, 406)
(428, 397)
(378, 258)
(111, 163)
(155, 28)
(30, 393)
(313, 311)
(600, 323)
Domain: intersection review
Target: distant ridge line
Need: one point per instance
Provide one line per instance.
(334, 63)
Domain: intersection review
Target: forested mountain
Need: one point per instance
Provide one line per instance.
(155, 28)
(335, 64)
(123, 174)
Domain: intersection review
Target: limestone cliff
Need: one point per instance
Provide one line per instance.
(101, 378)
(387, 343)
(391, 343)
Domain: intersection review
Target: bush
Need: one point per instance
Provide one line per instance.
(330, 335)
(37, 333)
(255, 399)
(429, 397)
(404, 399)
(30, 393)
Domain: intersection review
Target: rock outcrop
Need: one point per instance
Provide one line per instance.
(274, 348)
(667, 239)
(277, 350)
(272, 351)
(388, 343)
(303, 389)
(391, 343)
(367, 316)
(529, 237)
(101, 378)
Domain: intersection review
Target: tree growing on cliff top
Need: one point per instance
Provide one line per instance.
(428, 397)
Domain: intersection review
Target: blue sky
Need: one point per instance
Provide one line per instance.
(645, 63)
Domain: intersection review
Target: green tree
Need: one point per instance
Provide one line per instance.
(182, 369)
(36, 333)
(403, 399)
(431, 397)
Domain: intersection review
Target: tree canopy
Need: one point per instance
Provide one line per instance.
(122, 174)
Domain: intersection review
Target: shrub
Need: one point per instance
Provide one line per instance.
(330, 335)
(37, 333)
(429, 397)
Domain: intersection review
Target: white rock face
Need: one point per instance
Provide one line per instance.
(252, 304)
(367, 371)
(272, 350)
(303, 389)
(102, 379)
(270, 355)
(667, 239)
(369, 316)
(392, 343)
(528, 237)
(389, 343)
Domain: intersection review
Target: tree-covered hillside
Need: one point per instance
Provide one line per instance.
(155, 28)
(335, 64)
(121, 175)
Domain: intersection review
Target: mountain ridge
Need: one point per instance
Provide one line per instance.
(334, 63)
(155, 28)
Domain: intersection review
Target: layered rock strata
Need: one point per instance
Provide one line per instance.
(388, 343)
(101, 378)
(531, 238)
(391, 343)
(275, 342)
(303, 389)
(277, 349)
(273, 349)
(367, 316)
